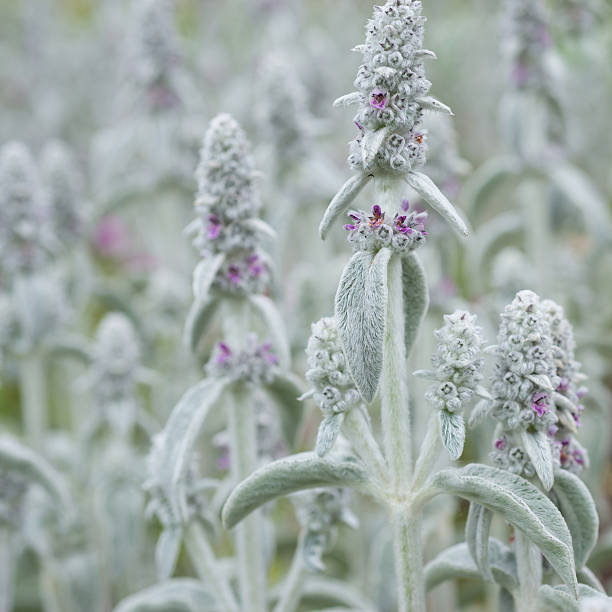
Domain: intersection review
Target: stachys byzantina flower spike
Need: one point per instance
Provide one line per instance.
(392, 93)
(227, 230)
(26, 239)
(334, 390)
(457, 369)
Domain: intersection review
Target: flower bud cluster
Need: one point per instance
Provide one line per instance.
(370, 232)
(26, 238)
(566, 450)
(391, 85)
(319, 512)
(510, 456)
(156, 51)
(256, 364)
(63, 187)
(457, 364)
(526, 353)
(227, 205)
(116, 359)
(334, 389)
(526, 40)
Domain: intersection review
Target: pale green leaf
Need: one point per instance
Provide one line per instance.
(285, 476)
(286, 391)
(275, 327)
(452, 433)
(361, 305)
(198, 319)
(371, 143)
(477, 529)
(167, 550)
(427, 189)
(342, 200)
(537, 446)
(521, 504)
(416, 297)
(177, 595)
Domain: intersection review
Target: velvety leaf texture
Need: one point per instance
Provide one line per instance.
(452, 432)
(361, 302)
(275, 327)
(578, 509)
(342, 200)
(178, 595)
(521, 504)
(416, 297)
(285, 476)
(477, 529)
(456, 562)
(198, 319)
(285, 390)
(537, 445)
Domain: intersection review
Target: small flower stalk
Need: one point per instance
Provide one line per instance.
(457, 369)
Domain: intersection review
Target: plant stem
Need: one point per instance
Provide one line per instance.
(292, 587)
(359, 432)
(529, 571)
(429, 452)
(249, 533)
(408, 559)
(6, 570)
(207, 567)
(395, 411)
(243, 453)
(33, 397)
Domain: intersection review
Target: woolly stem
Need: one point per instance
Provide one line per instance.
(32, 386)
(358, 430)
(292, 587)
(249, 533)
(408, 559)
(395, 409)
(529, 571)
(207, 566)
(6, 570)
(429, 452)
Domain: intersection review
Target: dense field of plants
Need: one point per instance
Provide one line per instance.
(248, 367)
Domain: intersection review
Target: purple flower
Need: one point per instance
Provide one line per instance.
(378, 217)
(405, 204)
(378, 99)
(539, 402)
(214, 227)
(552, 431)
(500, 444)
(353, 226)
(578, 457)
(359, 126)
(520, 73)
(581, 392)
(255, 265)
(563, 385)
(266, 353)
(224, 354)
(233, 273)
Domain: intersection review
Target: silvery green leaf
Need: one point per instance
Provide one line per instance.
(328, 433)
(564, 414)
(342, 200)
(167, 550)
(415, 295)
(456, 562)
(348, 99)
(428, 374)
(537, 446)
(483, 392)
(361, 307)
(430, 103)
(479, 413)
(204, 274)
(180, 433)
(541, 380)
(314, 547)
(426, 188)
(452, 433)
(337, 592)
(558, 599)
(586, 576)
(477, 529)
(578, 509)
(19, 458)
(262, 228)
(425, 54)
(285, 476)
(521, 504)
(286, 390)
(370, 144)
(505, 601)
(579, 191)
(561, 401)
(198, 319)
(275, 327)
(484, 181)
(177, 595)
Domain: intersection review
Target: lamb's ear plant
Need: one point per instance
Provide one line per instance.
(229, 281)
(380, 302)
